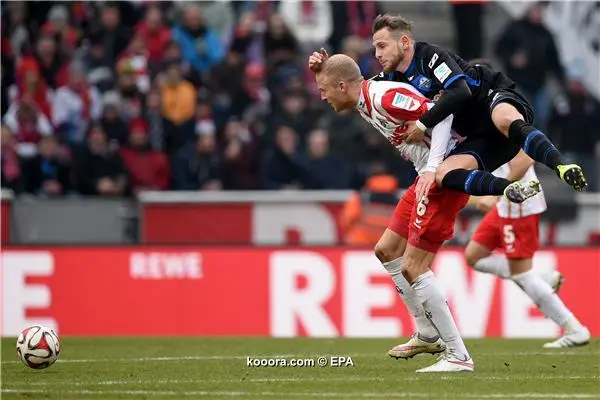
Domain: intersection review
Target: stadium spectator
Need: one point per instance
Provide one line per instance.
(252, 99)
(280, 45)
(152, 113)
(156, 33)
(49, 172)
(75, 105)
(310, 22)
(10, 162)
(99, 168)
(98, 64)
(200, 45)
(132, 99)
(111, 121)
(197, 166)
(326, 171)
(575, 117)
(240, 155)
(58, 26)
(284, 166)
(148, 169)
(529, 53)
(28, 124)
(179, 99)
(115, 34)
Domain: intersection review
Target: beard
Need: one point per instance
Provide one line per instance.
(392, 65)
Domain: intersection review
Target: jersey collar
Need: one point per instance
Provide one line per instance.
(364, 101)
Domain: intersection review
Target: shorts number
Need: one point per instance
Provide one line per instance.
(422, 206)
(509, 237)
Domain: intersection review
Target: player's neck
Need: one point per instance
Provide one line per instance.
(408, 57)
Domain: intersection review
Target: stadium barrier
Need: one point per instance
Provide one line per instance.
(278, 292)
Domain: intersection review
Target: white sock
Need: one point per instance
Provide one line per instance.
(548, 302)
(425, 329)
(546, 272)
(496, 264)
(436, 308)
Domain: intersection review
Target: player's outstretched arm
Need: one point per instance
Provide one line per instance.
(440, 137)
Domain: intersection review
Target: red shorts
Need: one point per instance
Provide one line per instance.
(518, 236)
(427, 224)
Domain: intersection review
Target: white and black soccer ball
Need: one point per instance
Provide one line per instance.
(38, 347)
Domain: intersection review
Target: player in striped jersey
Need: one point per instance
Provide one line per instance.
(514, 227)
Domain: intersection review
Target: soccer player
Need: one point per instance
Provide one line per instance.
(515, 229)
(485, 104)
(424, 218)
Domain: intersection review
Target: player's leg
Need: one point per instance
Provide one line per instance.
(521, 241)
(486, 239)
(460, 172)
(389, 250)
(512, 115)
(489, 236)
(416, 268)
(432, 223)
(549, 303)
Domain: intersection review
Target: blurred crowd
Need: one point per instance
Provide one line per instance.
(110, 98)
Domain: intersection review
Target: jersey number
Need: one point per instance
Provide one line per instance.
(433, 60)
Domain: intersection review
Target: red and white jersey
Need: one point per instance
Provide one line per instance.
(388, 105)
(531, 206)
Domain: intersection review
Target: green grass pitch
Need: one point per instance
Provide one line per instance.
(216, 368)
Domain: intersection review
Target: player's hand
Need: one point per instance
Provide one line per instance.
(486, 203)
(424, 184)
(413, 134)
(316, 60)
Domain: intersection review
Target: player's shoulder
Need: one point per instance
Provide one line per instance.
(427, 50)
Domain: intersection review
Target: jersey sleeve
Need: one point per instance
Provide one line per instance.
(441, 66)
(404, 104)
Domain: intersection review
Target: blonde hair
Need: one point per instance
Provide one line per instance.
(341, 67)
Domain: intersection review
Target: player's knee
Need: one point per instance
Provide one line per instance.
(384, 253)
(441, 173)
(504, 115)
(471, 257)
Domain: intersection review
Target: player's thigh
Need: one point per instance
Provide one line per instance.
(507, 106)
(390, 246)
(417, 261)
(486, 237)
(393, 241)
(490, 151)
(457, 161)
(520, 236)
(434, 218)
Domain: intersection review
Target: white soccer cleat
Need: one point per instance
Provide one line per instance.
(449, 362)
(580, 337)
(556, 281)
(416, 346)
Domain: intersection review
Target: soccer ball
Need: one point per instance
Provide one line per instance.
(38, 347)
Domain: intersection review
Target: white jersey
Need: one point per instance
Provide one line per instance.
(531, 206)
(388, 105)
